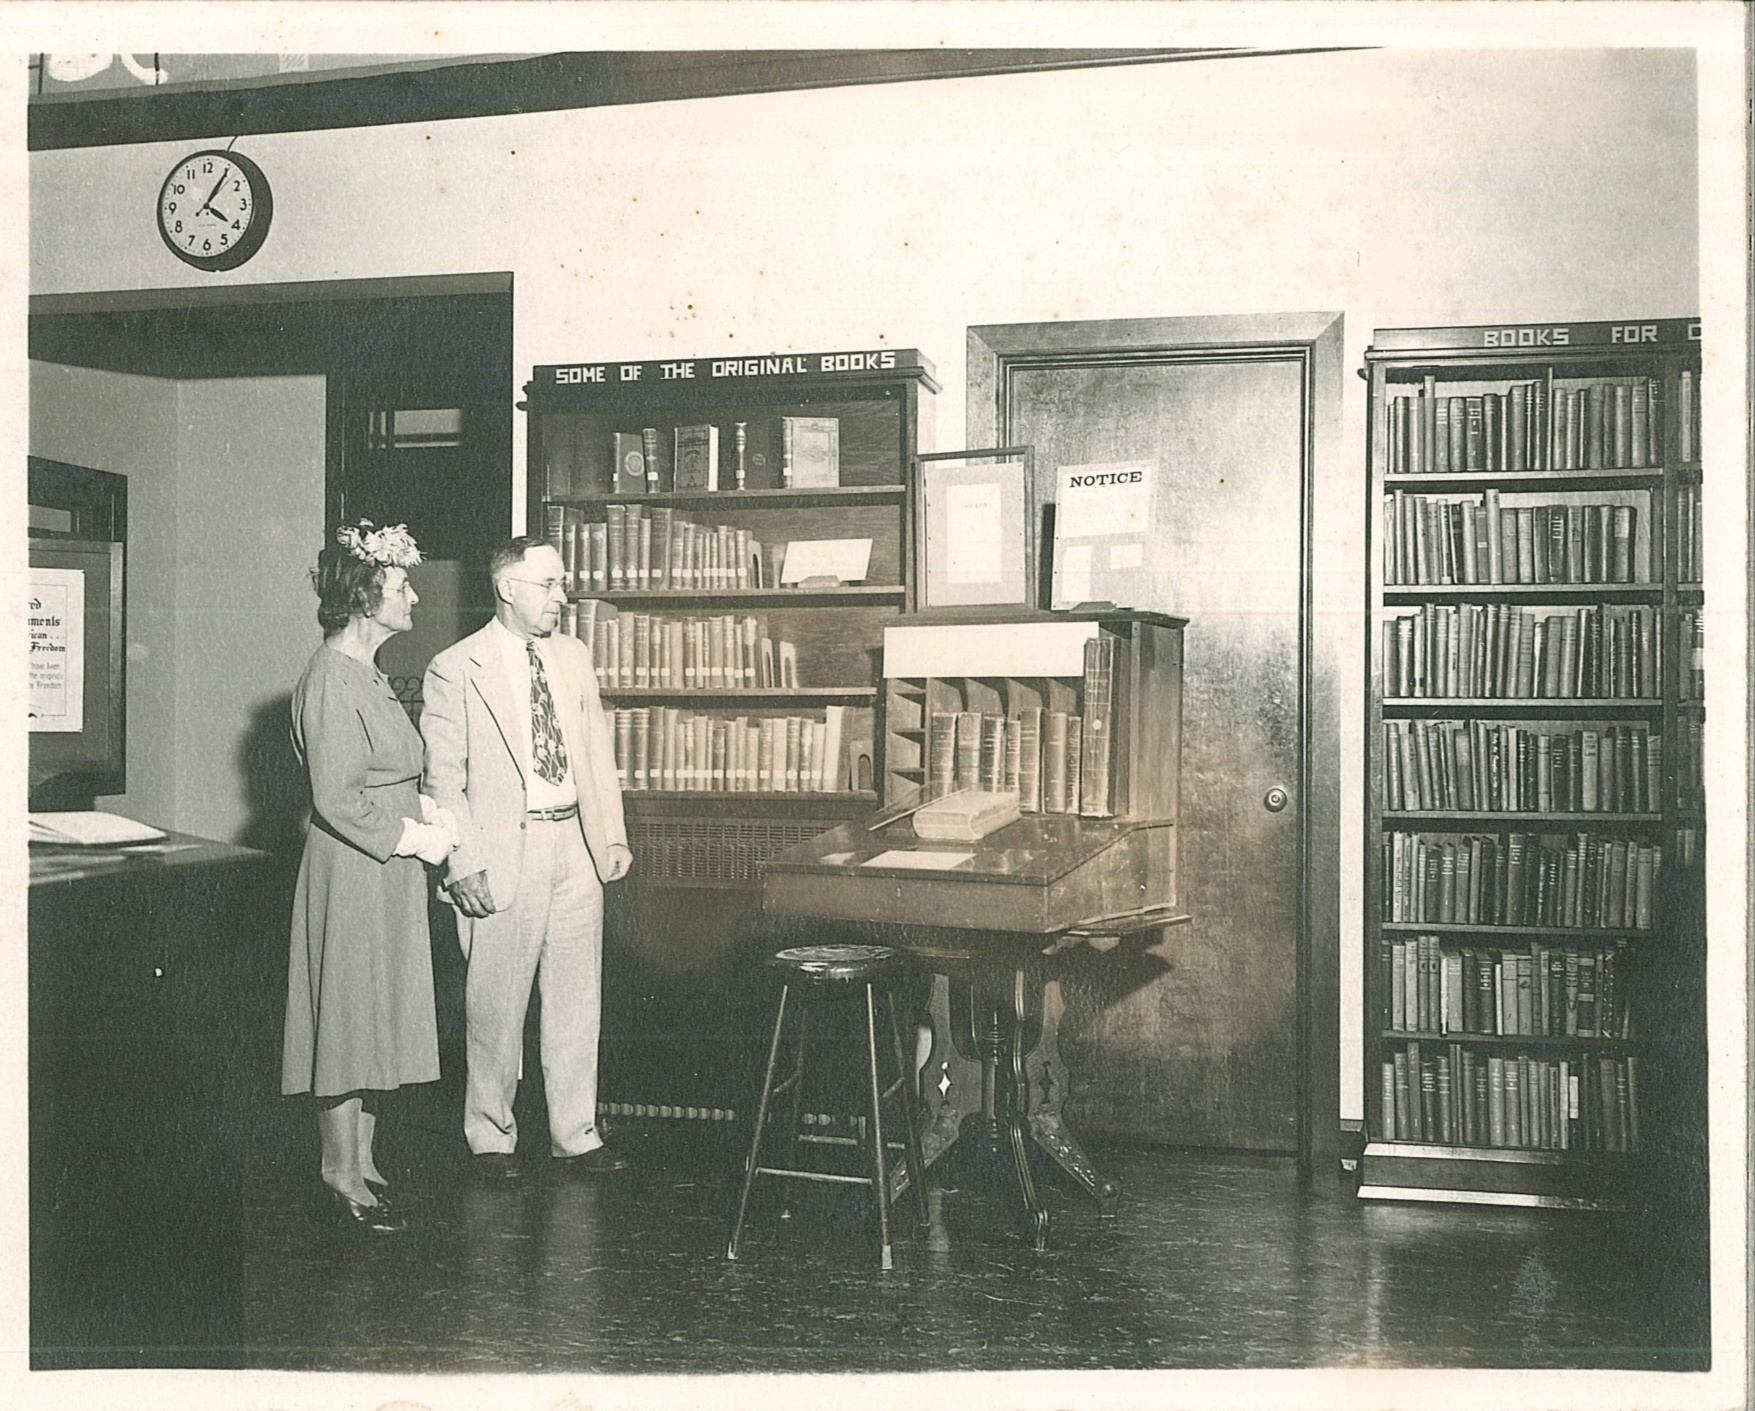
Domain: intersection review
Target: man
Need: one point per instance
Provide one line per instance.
(517, 749)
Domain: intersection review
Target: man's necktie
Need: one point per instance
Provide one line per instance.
(548, 752)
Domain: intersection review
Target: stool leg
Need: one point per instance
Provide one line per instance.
(910, 1100)
(880, 1184)
(749, 1169)
(803, 1041)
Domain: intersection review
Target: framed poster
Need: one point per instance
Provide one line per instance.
(57, 650)
(974, 518)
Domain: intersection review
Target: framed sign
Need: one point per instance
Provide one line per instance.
(974, 526)
(1103, 534)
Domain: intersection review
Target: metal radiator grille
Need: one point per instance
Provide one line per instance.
(712, 849)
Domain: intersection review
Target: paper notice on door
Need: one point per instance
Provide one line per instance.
(57, 650)
(974, 541)
(1095, 501)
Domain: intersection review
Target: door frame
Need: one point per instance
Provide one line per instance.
(1329, 512)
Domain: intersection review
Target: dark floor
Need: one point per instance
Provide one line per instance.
(1215, 1261)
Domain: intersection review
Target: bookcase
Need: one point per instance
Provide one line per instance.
(745, 708)
(1533, 978)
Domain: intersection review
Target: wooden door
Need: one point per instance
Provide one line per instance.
(1203, 1038)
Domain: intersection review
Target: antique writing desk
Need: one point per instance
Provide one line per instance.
(991, 917)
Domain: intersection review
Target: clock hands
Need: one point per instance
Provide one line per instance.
(207, 205)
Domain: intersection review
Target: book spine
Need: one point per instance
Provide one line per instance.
(1096, 744)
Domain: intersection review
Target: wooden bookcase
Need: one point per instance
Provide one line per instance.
(882, 403)
(1535, 819)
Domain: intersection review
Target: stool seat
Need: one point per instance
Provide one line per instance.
(848, 963)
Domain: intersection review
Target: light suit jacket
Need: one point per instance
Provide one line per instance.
(472, 763)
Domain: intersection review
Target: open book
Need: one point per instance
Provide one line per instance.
(90, 829)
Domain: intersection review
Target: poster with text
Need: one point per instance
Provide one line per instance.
(57, 650)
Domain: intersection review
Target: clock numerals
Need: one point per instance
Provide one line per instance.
(214, 210)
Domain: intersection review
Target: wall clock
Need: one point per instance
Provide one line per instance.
(214, 209)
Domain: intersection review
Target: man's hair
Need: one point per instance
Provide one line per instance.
(511, 552)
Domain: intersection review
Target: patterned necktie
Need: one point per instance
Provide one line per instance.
(548, 752)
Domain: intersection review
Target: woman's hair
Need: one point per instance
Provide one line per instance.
(347, 586)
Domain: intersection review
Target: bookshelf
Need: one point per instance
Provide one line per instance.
(1534, 968)
(745, 709)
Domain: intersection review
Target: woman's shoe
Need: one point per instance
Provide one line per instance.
(376, 1218)
(385, 1200)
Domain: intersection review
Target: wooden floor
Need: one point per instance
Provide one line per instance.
(1215, 1261)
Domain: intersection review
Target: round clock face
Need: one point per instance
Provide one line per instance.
(214, 209)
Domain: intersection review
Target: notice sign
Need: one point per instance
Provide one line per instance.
(1102, 532)
(57, 650)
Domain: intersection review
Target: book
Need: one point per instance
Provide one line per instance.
(810, 452)
(1053, 781)
(1094, 799)
(697, 457)
(628, 456)
(966, 815)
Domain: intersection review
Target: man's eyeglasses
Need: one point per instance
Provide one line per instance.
(548, 585)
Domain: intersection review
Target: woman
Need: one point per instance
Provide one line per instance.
(359, 1005)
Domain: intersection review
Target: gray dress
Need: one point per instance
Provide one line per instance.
(359, 993)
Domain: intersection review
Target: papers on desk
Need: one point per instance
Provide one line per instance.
(924, 861)
(90, 830)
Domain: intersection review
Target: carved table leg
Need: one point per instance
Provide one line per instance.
(1048, 1083)
(949, 1083)
(1012, 1031)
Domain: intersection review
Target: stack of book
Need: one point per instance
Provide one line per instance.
(661, 747)
(1582, 881)
(1583, 1103)
(1444, 541)
(1541, 991)
(1500, 650)
(1451, 765)
(1606, 424)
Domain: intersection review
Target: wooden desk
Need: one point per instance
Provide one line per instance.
(992, 928)
(136, 1112)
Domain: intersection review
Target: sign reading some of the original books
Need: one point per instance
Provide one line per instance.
(57, 650)
(1102, 528)
(860, 363)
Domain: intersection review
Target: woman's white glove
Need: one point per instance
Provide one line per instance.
(430, 812)
(430, 842)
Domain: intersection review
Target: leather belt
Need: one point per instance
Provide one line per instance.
(554, 815)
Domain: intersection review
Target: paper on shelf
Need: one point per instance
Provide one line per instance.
(847, 560)
(90, 829)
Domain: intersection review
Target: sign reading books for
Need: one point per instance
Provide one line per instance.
(1102, 533)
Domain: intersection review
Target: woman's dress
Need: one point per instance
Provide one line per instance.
(359, 994)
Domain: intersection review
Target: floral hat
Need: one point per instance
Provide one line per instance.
(390, 547)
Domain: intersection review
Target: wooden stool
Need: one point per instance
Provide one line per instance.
(822, 972)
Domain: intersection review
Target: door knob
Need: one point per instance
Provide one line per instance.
(1275, 799)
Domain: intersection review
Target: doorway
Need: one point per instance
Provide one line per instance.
(1231, 1038)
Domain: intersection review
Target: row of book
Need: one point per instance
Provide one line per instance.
(1502, 650)
(1544, 991)
(660, 747)
(1055, 761)
(1457, 765)
(1444, 541)
(1610, 424)
(1579, 881)
(1457, 1097)
(724, 652)
(650, 547)
(796, 452)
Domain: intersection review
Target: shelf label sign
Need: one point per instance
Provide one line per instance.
(1647, 333)
(704, 370)
(57, 650)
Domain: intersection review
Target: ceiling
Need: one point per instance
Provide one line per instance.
(103, 100)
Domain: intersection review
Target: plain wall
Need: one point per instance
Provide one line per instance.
(128, 425)
(1398, 186)
(225, 514)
